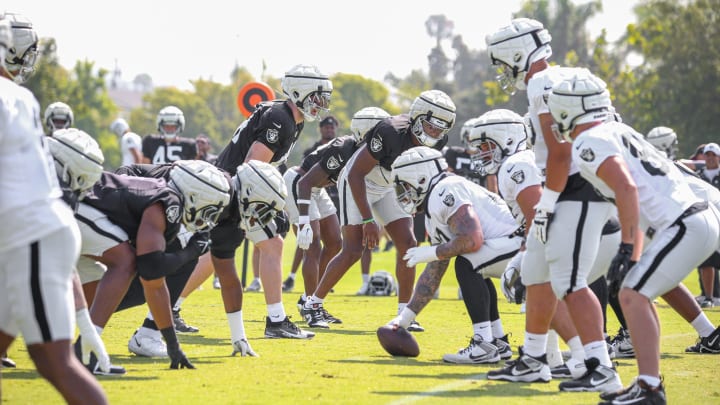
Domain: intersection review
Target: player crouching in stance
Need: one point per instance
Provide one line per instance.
(649, 190)
(464, 221)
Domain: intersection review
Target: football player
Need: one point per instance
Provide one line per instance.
(367, 196)
(128, 222)
(269, 135)
(130, 142)
(649, 191)
(312, 211)
(500, 138)
(39, 240)
(570, 215)
(466, 222)
(168, 146)
(58, 115)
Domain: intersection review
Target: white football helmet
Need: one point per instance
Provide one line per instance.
(364, 120)
(173, 118)
(432, 114)
(205, 192)
(663, 139)
(414, 172)
(381, 283)
(579, 99)
(5, 39)
(309, 89)
(514, 48)
(496, 135)
(261, 194)
(119, 126)
(78, 158)
(465, 132)
(58, 115)
(21, 57)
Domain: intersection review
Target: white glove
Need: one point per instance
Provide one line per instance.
(90, 341)
(243, 347)
(544, 212)
(305, 234)
(404, 318)
(420, 254)
(512, 271)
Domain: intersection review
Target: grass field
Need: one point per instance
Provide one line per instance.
(346, 364)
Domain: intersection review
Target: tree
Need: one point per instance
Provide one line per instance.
(439, 28)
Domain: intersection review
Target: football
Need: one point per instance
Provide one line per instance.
(398, 342)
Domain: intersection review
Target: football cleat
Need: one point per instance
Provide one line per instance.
(8, 362)
(570, 369)
(329, 318)
(710, 344)
(243, 347)
(622, 345)
(216, 283)
(147, 345)
(285, 329)
(314, 316)
(288, 285)
(639, 392)
(180, 325)
(524, 369)
(415, 327)
(503, 347)
(477, 352)
(254, 286)
(597, 378)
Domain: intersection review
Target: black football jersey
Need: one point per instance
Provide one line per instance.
(124, 200)
(332, 156)
(271, 124)
(313, 147)
(161, 171)
(459, 161)
(158, 151)
(390, 138)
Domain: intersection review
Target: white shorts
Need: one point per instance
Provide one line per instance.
(321, 205)
(36, 297)
(384, 206)
(90, 270)
(567, 260)
(673, 253)
(98, 232)
(494, 255)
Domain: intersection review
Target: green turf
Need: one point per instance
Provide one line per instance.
(346, 364)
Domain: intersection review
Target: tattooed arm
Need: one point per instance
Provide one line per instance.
(427, 284)
(468, 236)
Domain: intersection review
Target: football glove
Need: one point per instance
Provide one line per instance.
(544, 210)
(305, 234)
(420, 254)
(243, 347)
(90, 341)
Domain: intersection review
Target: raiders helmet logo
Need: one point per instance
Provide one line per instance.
(272, 135)
(587, 155)
(518, 177)
(332, 163)
(376, 144)
(172, 213)
(449, 200)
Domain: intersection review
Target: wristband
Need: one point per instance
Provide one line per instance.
(303, 219)
(307, 202)
(368, 220)
(548, 198)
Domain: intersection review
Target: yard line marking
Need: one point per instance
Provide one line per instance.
(440, 388)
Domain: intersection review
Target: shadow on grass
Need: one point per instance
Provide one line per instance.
(353, 332)
(201, 340)
(33, 375)
(405, 361)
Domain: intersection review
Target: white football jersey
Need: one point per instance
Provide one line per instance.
(538, 88)
(663, 191)
(129, 140)
(30, 207)
(517, 173)
(453, 192)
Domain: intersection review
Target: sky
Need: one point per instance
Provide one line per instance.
(178, 41)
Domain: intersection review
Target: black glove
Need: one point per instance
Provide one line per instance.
(282, 223)
(619, 268)
(177, 357)
(199, 242)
